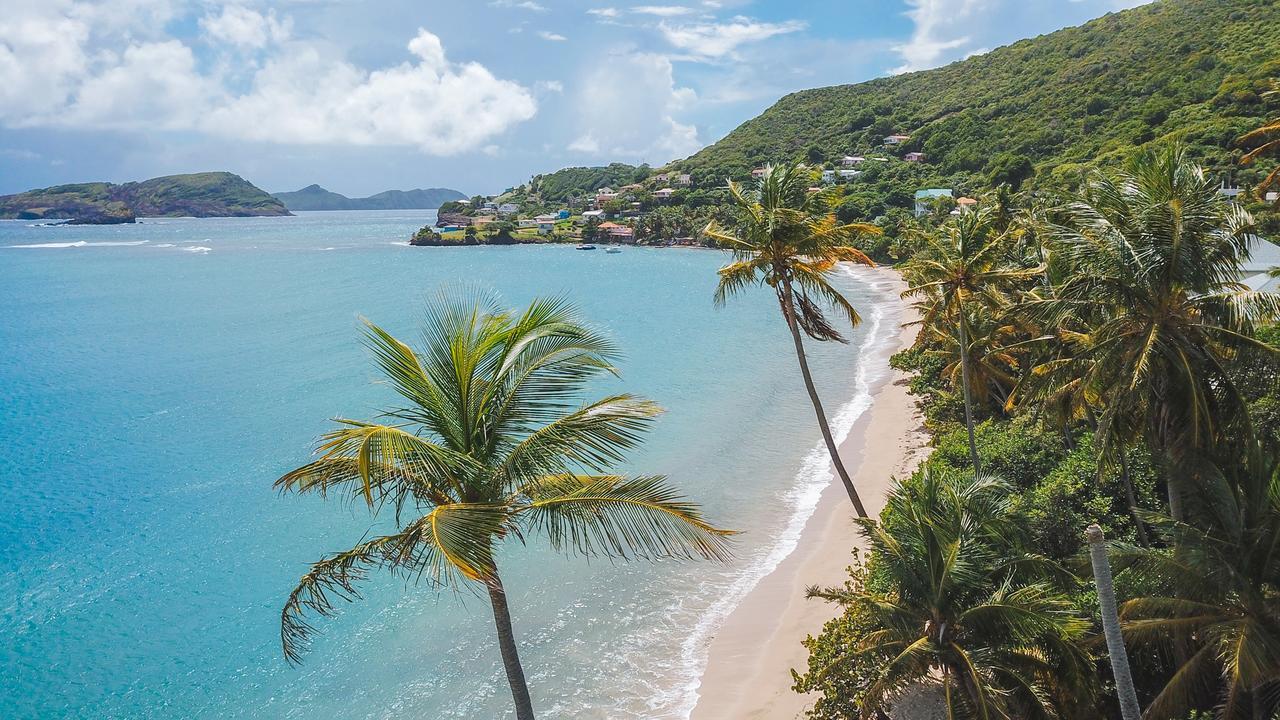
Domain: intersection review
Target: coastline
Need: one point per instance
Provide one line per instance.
(747, 674)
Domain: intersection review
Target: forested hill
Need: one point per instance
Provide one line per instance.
(1192, 70)
(314, 197)
(209, 194)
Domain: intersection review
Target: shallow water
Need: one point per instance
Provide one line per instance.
(155, 379)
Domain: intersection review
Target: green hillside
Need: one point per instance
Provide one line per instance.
(1190, 70)
(211, 194)
(314, 197)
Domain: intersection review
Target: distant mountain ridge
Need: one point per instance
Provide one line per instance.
(208, 194)
(314, 197)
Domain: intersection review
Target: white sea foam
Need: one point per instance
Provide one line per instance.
(201, 249)
(82, 243)
(815, 474)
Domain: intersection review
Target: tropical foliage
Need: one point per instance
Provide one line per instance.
(493, 441)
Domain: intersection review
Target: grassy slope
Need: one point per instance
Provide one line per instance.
(1176, 69)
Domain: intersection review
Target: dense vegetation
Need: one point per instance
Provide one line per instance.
(1110, 371)
(1186, 70)
(314, 197)
(211, 194)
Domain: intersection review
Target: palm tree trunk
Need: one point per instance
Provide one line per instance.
(788, 312)
(1132, 497)
(1129, 708)
(968, 399)
(510, 655)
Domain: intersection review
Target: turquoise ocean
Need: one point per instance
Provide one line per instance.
(156, 378)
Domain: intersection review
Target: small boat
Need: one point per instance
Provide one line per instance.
(613, 249)
(586, 246)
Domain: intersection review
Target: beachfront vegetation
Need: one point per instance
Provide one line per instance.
(1132, 383)
(495, 441)
(788, 238)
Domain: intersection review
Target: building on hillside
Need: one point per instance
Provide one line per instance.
(1255, 273)
(828, 176)
(483, 220)
(813, 190)
(852, 160)
(849, 174)
(684, 179)
(914, 157)
(597, 214)
(563, 214)
(546, 223)
(1230, 192)
(527, 223)
(662, 177)
(966, 203)
(664, 193)
(508, 209)
(925, 199)
(758, 173)
(604, 195)
(463, 202)
(1272, 196)
(896, 140)
(490, 205)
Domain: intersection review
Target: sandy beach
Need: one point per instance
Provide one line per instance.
(748, 670)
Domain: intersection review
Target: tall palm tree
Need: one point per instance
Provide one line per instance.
(1155, 252)
(493, 442)
(991, 354)
(1216, 602)
(953, 597)
(963, 264)
(789, 239)
(1128, 696)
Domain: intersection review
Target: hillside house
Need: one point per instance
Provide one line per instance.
(605, 195)
(508, 209)
(758, 173)
(1255, 273)
(527, 223)
(914, 157)
(828, 176)
(664, 193)
(684, 180)
(893, 140)
(926, 198)
(852, 160)
(848, 174)
(546, 223)
(1273, 196)
(597, 214)
(966, 203)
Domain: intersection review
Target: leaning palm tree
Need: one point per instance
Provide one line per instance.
(789, 239)
(963, 265)
(493, 442)
(1155, 252)
(1214, 604)
(951, 597)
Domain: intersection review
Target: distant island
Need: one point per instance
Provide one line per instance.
(208, 194)
(314, 197)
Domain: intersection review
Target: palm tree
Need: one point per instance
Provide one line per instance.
(952, 596)
(1128, 696)
(493, 442)
(963, 264)
(1155, 252)
(991, 354)
(1216, 602)
(1267, 138)
(789, 239)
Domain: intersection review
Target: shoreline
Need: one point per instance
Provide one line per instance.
(749, 658)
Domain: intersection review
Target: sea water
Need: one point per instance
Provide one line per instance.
(156, 378)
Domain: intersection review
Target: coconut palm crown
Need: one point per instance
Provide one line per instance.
(492, 441)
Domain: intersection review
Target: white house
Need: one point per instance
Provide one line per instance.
(848, 174)
(758, 173)
(546, 223)
(604, 195)
(664, 193)
(1230, 192)
(508, 209)
(527, 222)
(1273, 196)
(925, 199)
(828, 176)
(914, 157)
(1255, 273)
(597, 214)
(852, 160)
(896, 139)
(684, 179)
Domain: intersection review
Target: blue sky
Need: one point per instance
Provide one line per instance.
(473, 94)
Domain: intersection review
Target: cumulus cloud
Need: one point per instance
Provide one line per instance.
(75, 64)
(554, 37)
(604, 12)
(627, 108)
(936, 24)
(717, 40)
(243, 27)
(662, 10)
(521, 4)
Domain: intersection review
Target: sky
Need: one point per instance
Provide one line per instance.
(476, 95)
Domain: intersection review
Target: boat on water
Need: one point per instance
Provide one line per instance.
(586, 246)
(613, 249)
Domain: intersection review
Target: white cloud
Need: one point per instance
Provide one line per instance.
(554, 37)
(554, 86)
(662, 10)
(627, 109)
(604, 12)
(716, 40)
(242, 27)
(75, 64)
(938, 28)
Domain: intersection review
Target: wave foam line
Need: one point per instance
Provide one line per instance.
(82, 243)
(815, 474)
